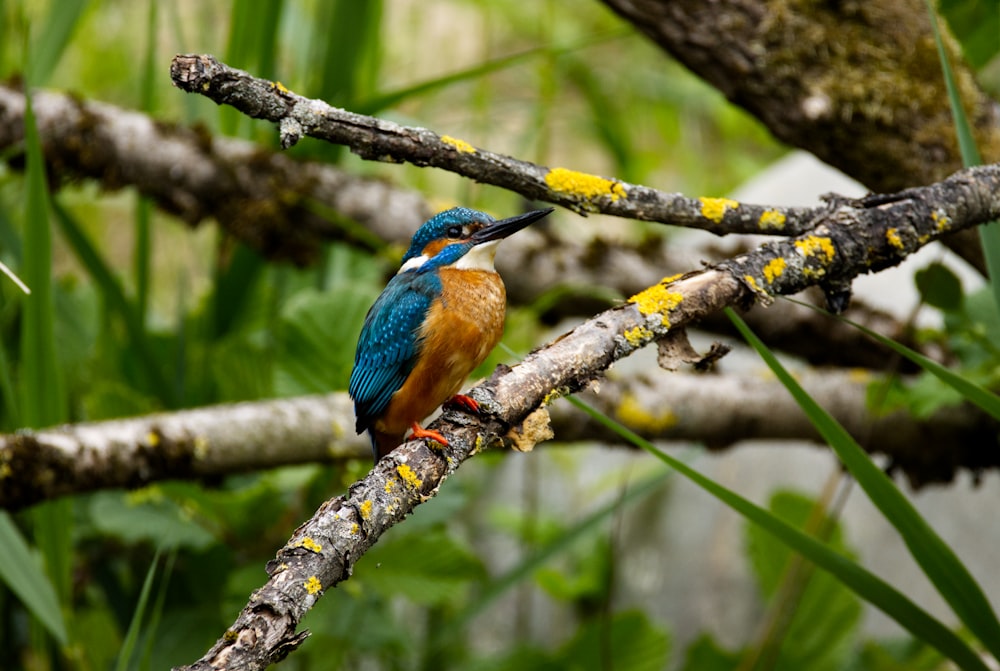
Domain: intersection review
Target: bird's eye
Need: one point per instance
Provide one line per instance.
(455, 232)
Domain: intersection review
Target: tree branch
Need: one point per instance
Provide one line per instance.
(859, 85)
(849, 240)
(717, 410)
(720, 410)
(191, 444)
(380, 140)
(266, 199)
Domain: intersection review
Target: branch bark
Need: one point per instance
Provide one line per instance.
(266, 199)
(851, 239)
(380, 140)
(718, 410)
(858, 84)
(191, 444)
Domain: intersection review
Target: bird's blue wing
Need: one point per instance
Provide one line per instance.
(388, 347)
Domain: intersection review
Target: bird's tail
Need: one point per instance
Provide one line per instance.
(383, 443)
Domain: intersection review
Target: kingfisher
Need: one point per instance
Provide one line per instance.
(435, 321)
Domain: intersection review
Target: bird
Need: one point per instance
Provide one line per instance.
(436, 320)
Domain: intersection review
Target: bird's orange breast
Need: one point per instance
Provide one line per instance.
(461, 329)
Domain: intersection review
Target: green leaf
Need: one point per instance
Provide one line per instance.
(429, 568)
(705, 654)
(825, 616)
(20, 571)
(975, 393)
(499, 586)
(317, 338)
(868, 586)
(940, 287)
(113, 293)
(158, 521)
(628, 641)
(937, 560)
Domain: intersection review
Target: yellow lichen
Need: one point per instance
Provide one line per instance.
(813, 273)
(774, 269)
(309, 544)
(752, 282)
(637, 335)
(200, 447)
(366, 510)
(634, 415)
(313, 585)
(942, 222)
(354, 529)
(657, 300)
(461, 145)
(408, 476)
(389, 485)
(892, 235)
(589, 187)
(230, 636)
(859, 375)
(153, 438)
(813, 245)
(553, 395)
(279, 87)
(715, 208)
(771, 219)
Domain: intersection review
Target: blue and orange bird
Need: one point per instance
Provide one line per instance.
(436, 320)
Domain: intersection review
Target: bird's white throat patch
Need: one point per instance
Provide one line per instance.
(479, 257)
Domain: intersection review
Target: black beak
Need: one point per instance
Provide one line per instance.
(505, 227)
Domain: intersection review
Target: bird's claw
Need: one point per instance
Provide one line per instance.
(463, 402)
(421, 432)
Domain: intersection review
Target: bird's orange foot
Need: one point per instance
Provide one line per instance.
(464, 402)
(421, 432)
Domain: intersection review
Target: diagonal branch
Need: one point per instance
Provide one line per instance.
(852, 239)
(380, 140)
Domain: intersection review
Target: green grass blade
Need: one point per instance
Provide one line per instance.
(20, 571)
(865, 584)
(391, 98)
(937, 560)
(348, 66)
(526, 568)
(982, 397)
(989, 234)
(41, 385)
(157, 612)
(64, 16)
(112, 292)
(132, 635)
(43, 399)
(143, 206)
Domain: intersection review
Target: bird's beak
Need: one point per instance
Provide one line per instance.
(499, 230)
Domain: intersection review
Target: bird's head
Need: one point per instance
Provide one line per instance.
(462, 238)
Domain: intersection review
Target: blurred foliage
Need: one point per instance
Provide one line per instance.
(139, 313)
